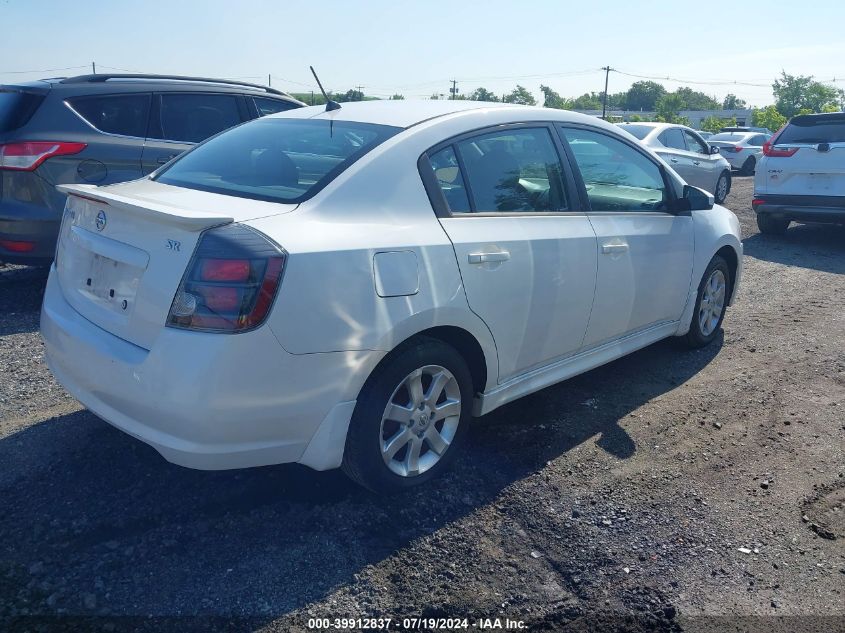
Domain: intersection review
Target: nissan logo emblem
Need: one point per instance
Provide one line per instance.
(101, 220)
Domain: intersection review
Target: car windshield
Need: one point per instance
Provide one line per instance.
(727, 136)
(275, 159)
(639, 131)
(814, 130)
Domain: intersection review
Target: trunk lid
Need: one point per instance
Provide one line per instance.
(808, 171)
(123, 249)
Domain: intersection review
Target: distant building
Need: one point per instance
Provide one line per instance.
(696, 117)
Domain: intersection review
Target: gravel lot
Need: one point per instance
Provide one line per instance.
(655, 493)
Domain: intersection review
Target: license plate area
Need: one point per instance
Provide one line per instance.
(110, 283)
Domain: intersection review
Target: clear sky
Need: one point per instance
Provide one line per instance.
(415, 48)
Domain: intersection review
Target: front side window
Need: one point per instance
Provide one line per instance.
(617, 177)
(115, 114)
(673, 138)
(275, 159)
(694, 144)
(514, 170)
(192, 118)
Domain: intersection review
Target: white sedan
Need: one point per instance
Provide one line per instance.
(347, 287)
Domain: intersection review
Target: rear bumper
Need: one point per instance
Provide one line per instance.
(30, 211)
(208, 401)
(42, 234)
(827, 209)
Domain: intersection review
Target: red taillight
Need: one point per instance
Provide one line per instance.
(224, 270)
(769, 148)
(756, 202)
(17, 246)
(28, 155)
(735, 148)
(230, 283)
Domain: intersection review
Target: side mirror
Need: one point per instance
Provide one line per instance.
(714, 149)
(697, 199)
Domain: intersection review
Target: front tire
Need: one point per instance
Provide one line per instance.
(710, 303)
(410, 419)
(772, 225)
(723, 187)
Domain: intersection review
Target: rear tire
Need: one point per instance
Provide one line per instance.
(748, 166)
(723, 187)
(772, 225)
(411, 417)
(711, 303)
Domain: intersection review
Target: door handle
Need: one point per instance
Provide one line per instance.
(481, 258)
(162, 160)
(607, 249)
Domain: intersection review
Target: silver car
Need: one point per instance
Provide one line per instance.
(695, 161)
(743, 150)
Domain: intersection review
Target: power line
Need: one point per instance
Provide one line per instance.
(43, 70)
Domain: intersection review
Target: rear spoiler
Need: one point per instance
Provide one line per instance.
(184, 218)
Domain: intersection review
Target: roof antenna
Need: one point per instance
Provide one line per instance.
(330, 105)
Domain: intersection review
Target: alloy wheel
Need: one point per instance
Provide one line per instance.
(712, 302)
(420, 420)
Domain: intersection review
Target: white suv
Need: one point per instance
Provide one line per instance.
(348, 287)
(802, 174)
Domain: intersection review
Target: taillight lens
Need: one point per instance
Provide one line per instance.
(29, 155)
(769, 148)
(231, 282)
(735, 148)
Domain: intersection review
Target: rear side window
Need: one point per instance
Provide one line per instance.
(814, 130)
(513, 170)
(16, 108)
(191, 118)
(271, 106)
(448, 173)
(617, 177)
(277, 160)
(115, 114)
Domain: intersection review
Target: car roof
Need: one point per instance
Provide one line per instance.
(407, 113)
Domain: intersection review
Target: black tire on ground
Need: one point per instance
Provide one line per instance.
(748, 166)
(726, 175)
(772, 225)
(362, 457)
(695, 338)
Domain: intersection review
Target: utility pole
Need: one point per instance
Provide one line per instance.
(94, 68)
(360, 93)
(453, 90)
(269, 81)
(606, 70)
(312, 97)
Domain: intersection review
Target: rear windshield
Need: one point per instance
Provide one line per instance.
(814, 130)
(726, 136)
(277, 160)
(639, 131)
(16, 108)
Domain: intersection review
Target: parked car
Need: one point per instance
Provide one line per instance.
(801, 176)
(347, 287)
(688, 154)
(703, 134)
(102, 129)
(743, 150)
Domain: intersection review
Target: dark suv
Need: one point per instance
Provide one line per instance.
(102, 129)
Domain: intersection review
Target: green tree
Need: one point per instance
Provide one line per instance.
(695, 100)
(435, 96)
(643, 95)
(520, 95)
(794, 93)
(768, 117)
(482, 94)
(732, 102)
(715, 123)
(350, 95)
(397, 97)
(587, 101)
(668, 106)
(551, 99)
